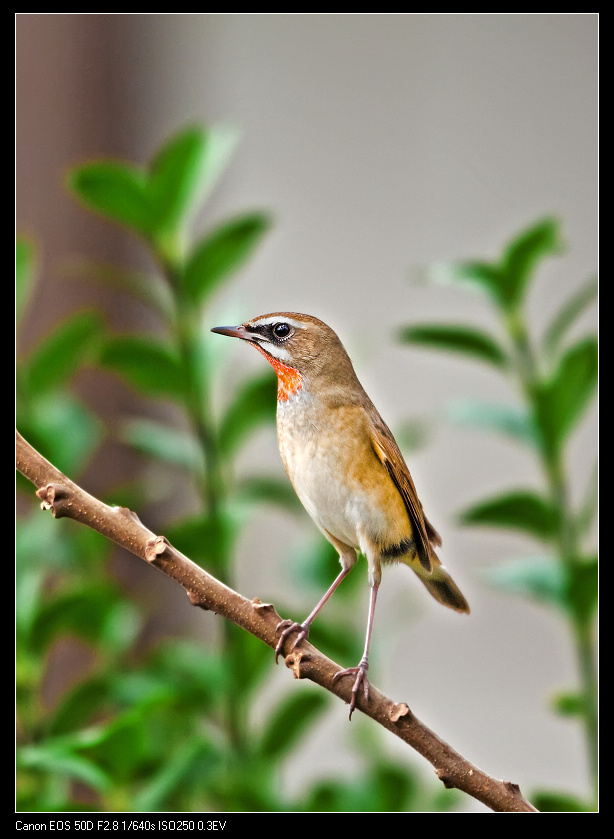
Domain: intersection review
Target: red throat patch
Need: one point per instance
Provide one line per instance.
(289, 380)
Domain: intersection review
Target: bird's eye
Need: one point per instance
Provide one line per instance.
(281, 330)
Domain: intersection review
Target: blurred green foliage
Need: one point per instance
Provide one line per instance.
(172, 728)
(556, 376)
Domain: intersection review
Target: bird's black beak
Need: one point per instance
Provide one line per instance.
(234, 332)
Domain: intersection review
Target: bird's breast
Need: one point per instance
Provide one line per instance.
(330, 460)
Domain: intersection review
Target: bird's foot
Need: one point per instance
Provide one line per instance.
(361, 679)
(290, 627)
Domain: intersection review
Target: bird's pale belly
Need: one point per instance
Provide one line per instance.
(330, 479)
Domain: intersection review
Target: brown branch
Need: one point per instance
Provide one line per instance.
(65, 499)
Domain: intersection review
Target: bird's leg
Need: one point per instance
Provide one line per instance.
(303, 628)
(360, 671)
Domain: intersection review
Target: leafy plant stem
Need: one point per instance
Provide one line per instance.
(212, 488)
(585, 650)
(524, 358)
(555, 376)
(197, 402)
(526, 368)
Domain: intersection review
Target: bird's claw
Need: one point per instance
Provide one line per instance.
(290, 627)
(361, 679)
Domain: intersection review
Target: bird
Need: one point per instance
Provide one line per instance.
(346, 468)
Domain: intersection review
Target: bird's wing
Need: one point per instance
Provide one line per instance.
(388, 452)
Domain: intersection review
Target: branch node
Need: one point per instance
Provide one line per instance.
(401, 713)
(196, 599)
(259, 606)
(294, 660)
(128, 513)
(446, 780)
(153, 547)
(52, 496)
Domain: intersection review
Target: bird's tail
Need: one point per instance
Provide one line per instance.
(444, 589)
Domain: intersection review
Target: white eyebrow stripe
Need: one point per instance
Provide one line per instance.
(274, 319)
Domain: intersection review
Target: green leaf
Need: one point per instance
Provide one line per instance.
(146, 364)
(583, 587)
(184, 170)
(29, 593)
(523, 254)
(537, 578)
(316, 566)
(505, 419)
(569, 704)
(248, 662)
(121, 628)
(206, 540)
(460, 339)
(60, 760)
(568, 314)
(222, 252)
(79, 706)
(148, 288)
(385, 787)
(332, 634)
(72, 344)
(553, 801)
(196, 677)
(483, 275)
(572, 588)
(42, 546)
(273, 490)
(163, 443)
(289, 722)
(505, 282)
(174, 772)
(117, 191)
(155, 202)
(83, 611)
(143, 691)
(561, 399)
(24, 273)
(220, 144)
(253, 405)
(521, 510)
(44, 424)
(391, 788)
(328, 796)
(121, 747)
(176, 175)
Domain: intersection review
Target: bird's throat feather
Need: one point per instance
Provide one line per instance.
(289, 380)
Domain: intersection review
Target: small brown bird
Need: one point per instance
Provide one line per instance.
(345, 466)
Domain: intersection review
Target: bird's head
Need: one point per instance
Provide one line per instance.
(301, 348)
